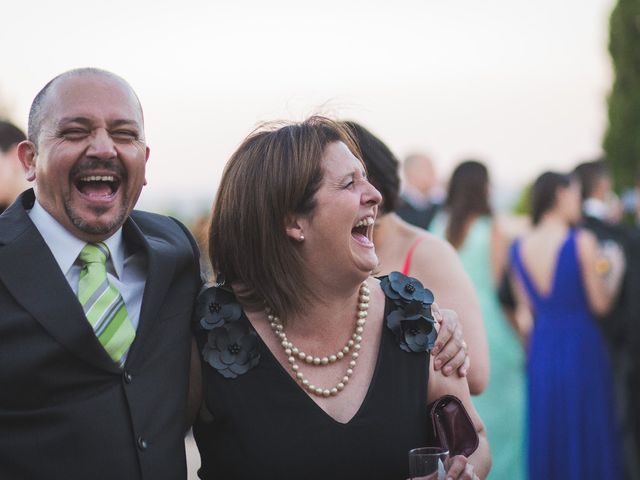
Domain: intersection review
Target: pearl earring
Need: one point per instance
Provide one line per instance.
(301, 238)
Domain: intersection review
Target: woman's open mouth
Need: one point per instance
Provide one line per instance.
(362, 232)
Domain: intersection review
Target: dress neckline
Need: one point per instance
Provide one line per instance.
(544, 296)
(295, 386)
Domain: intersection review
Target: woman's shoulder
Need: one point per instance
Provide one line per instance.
(409, 316)
(431, 246)
(435, 260)
(583, 235)
(225, 341)
(586, 242)
(216, 306)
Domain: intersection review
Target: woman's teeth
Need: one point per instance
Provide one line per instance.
(365, 222)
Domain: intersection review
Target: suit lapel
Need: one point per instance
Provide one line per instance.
(30, 273)
(160, 267)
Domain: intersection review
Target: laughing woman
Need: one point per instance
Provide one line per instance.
(312, 368)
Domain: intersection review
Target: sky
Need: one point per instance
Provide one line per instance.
(520, 85)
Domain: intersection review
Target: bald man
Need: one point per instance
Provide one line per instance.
(421, 197)
(95, 297)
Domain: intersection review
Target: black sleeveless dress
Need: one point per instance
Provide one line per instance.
(264, 425)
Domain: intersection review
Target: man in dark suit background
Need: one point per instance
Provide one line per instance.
(12, 181)
(95, 298)
(619, 326)
(421, 197)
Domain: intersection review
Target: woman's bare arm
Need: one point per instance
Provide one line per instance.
(600, 294)
(440, 385)
(437, 265)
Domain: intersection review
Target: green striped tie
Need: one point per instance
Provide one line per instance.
(102, 303)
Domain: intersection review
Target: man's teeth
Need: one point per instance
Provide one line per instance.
(98, 178)
(365, 222)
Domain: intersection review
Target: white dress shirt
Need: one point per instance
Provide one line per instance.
(125, 272)
(594, 207)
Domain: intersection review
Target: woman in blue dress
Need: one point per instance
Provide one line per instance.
(561, 275)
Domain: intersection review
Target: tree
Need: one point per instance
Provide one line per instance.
(622, 139)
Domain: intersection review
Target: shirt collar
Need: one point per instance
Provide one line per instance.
(66, 247)
(593, 207)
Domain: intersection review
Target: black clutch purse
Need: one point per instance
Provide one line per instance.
(452, 427)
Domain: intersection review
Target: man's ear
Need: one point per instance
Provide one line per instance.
(147, 151)
(293, 227)
(27, 154)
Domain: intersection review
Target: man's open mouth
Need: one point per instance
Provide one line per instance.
(98, 186)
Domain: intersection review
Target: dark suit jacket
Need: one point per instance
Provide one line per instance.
(420, 217)
(622, 331)
(66, 410)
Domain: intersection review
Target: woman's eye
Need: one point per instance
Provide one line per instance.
(349, 184)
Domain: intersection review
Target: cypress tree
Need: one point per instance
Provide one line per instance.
(622, 139)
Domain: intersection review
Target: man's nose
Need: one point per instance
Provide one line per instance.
(102, 145)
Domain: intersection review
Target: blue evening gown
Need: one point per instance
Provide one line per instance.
(572, 427)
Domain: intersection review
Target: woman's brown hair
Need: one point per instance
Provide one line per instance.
(275, 173)
(544, 193)
(467, 197)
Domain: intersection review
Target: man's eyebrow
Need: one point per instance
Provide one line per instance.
(118, 122)
(81, 120)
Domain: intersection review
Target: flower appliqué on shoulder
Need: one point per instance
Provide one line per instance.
(231, 347)
(411, 321)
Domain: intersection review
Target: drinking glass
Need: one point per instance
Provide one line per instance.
(428, 463)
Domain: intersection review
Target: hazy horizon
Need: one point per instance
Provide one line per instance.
(518, 85)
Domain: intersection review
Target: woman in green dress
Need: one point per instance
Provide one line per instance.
(468, 224)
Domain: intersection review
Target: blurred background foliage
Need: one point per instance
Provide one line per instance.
(622, 138)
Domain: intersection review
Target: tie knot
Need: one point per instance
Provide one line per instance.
(94, 253)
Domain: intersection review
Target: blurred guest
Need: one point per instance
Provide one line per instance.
(600, 204)
(636, 202)
(413, 251)
(600, 216)
(597, 216)
(311, 367)
(12, 178)
(572, 425)
(631, 420)
(421, 196)
(467, 222)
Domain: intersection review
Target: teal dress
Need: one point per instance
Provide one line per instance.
(502, 405)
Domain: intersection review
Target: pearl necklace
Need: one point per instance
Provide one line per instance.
(354, 342)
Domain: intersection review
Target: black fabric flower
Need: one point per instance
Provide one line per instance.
(232, 349)
(416, 335)
(227, 342)
(411, 320)
(402, 289)
(215, 307)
